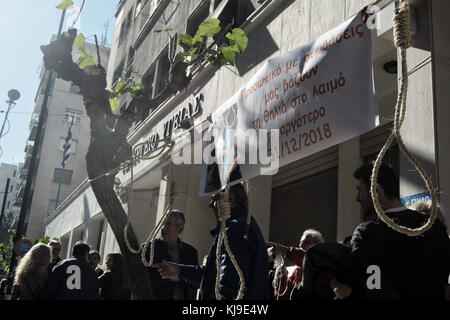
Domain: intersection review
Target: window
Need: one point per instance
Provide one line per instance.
(73, 145)
(198, 16)
(11, 189)
(130, 61)
(63, 176)
(232, 11)
(163, 68)
(14, 173)
(72, 114)
(125, 27)
(149, 78)
(157, 75)
(8, 205)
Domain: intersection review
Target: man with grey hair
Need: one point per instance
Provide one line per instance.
(309, 238)
(170, 248)
(55, 249)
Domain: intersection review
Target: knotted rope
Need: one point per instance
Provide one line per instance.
(224, 213)
(277, 280)
(174, 193)
(249, 213)
(403, 41)
(168, 144)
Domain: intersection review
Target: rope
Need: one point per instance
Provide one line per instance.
(277, 280)
(403, 41)
(168, 143)
(224, 213)
(174, 193)
(249, 213)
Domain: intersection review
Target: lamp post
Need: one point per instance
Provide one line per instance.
(13, 95)
(27, 197)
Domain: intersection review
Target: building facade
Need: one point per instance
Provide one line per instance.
(317, 191)
(11, 172)
(51, 182)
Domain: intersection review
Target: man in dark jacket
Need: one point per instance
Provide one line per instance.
(73, 278)
(250, 254)
(392, 265)
(169, 247)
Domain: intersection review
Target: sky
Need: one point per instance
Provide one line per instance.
(25, 25)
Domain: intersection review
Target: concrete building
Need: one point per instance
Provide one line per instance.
(51, 181)
(317, 191)
(11, 171)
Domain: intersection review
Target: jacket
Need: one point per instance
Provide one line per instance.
(71, 279)
(250, 254)
(323, 262)
(164, 288)
(110, 283)
(411, 267)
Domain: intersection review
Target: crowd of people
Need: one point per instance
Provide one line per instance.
(376, 262)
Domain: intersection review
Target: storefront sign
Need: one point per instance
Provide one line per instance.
(304, 101)
(190, 111)
(409, 201)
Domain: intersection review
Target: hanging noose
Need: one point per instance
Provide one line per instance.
(224, 213)
(403, 41)
(168, 144)
(174, 193)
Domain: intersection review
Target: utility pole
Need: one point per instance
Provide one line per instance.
(13, 96)
(5, 196)
(27, 197)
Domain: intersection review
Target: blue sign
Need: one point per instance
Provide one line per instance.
(22, 246)
(411, 200)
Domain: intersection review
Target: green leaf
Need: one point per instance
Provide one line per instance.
(137, 87)
(238, 39)
(191, 52)
(197, 41)
(114, 104)
(228, 54)
(65, 4)
(208, 28)
(86, 60)
(119, 86)
(181, 55)
(185, 41)
(80, 42)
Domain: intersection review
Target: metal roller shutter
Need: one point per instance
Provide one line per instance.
(304, 196)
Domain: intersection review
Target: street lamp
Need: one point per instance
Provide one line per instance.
(13, 95)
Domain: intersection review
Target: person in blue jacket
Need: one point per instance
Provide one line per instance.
(250, 254)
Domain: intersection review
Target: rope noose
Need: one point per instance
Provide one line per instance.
(249, 213)
(224, 213)
(167, 144)
(403, 41)
(277, 280)
(174, 193)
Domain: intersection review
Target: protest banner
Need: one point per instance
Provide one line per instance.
(297, 104)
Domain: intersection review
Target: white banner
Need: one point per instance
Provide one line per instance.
(307, 100)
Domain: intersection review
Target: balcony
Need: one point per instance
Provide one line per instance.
(27, 161)
(23, 173)
(33, 129)
(19, 195)
(28, 149)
